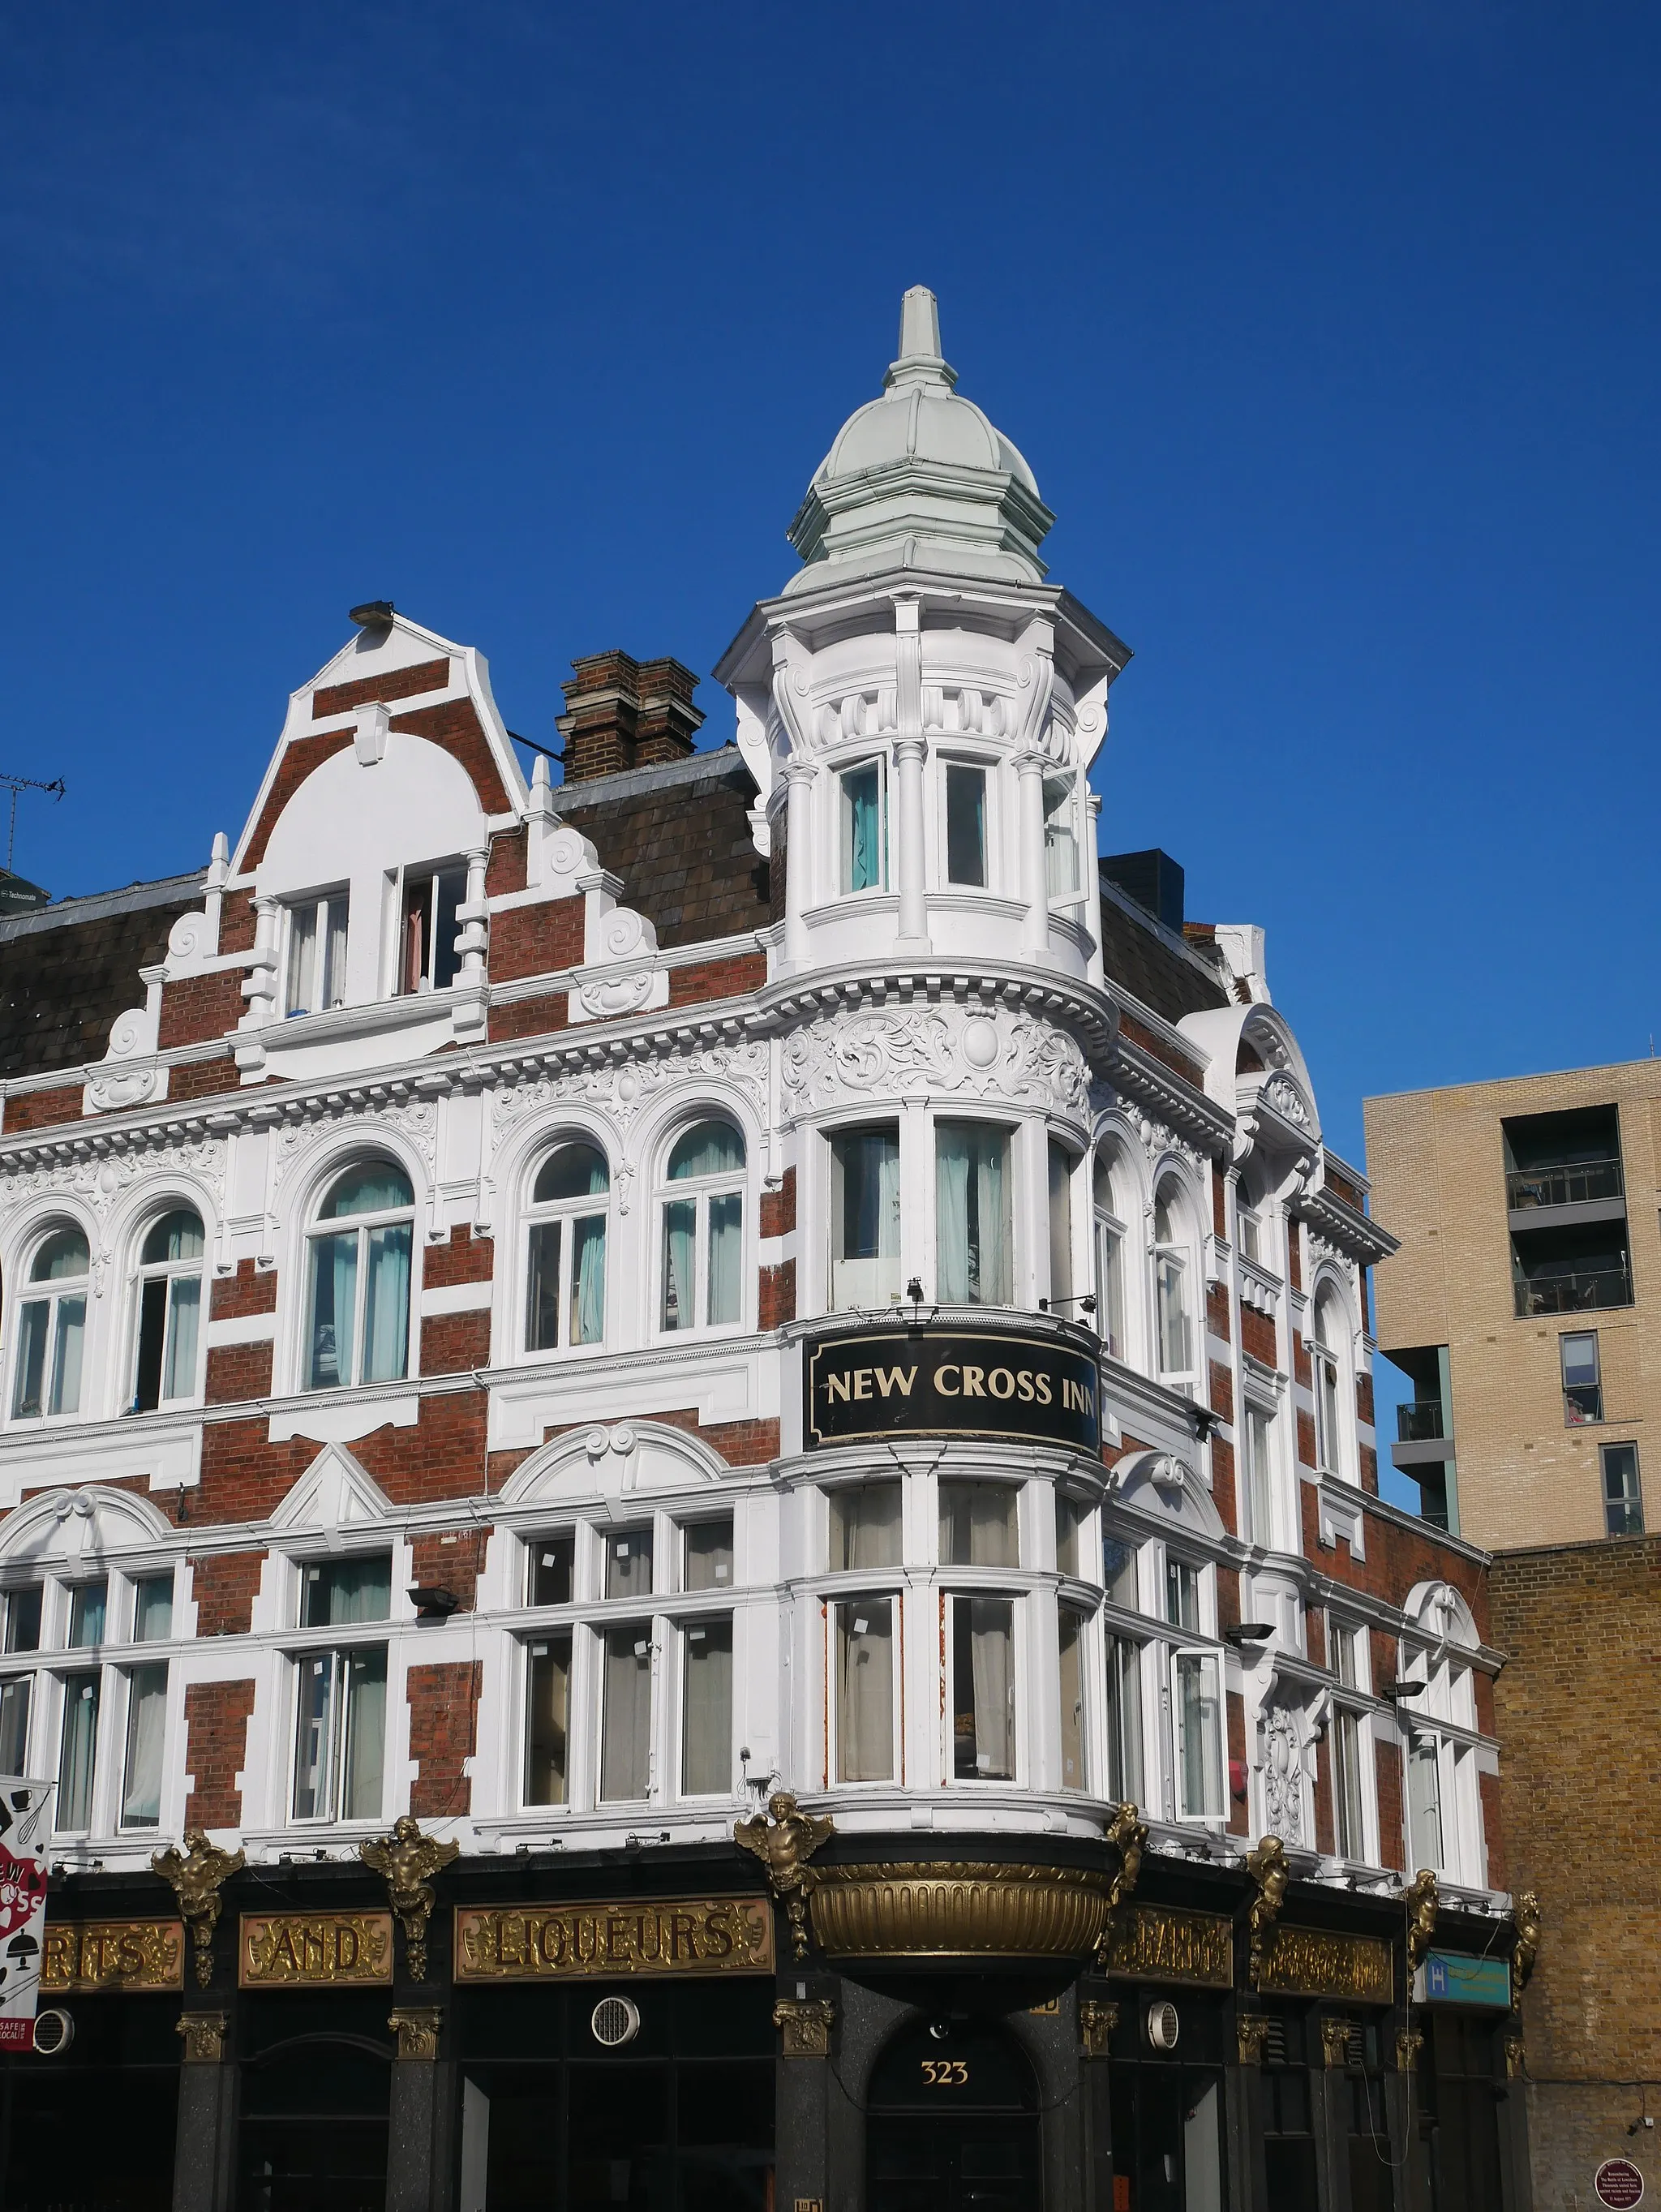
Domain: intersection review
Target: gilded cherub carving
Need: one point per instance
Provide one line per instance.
(784, 1840)
(1268, 1867)
(197, 1873)
(407, 1859)
(1421, 1902)
(1525, 1913)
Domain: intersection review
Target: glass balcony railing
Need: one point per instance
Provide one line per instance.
(1575, 1185)
(1420, 1422)
(1579, 1292)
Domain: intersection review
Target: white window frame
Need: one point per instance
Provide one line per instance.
(986, 767)
(1182, 1251)
(1351, 1686)
(321, 985)
(317, 1227)
(866, 1124)
(1064, 809)
(990, 1591)
(842, 869)
(339, 1640)
(52, 1292)
(1105, 1222)
(168, 1271)
(567, 1212)
(700, 1190)
(1179, 1657)
(400, 882)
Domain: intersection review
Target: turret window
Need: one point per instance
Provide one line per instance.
(565, 1251)
(965, 824)
(169, 1311)
(864, 827)
(865, 1690)
(1060, 838)
(51, 1330)
(358, 1297)
(314, 976)
(982, 1689)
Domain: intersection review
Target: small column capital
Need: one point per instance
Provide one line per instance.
(204, 2034)
(416, 2028)
(805, 2024)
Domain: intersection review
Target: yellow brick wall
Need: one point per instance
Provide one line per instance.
(1578, 1711)
(1437, 1166)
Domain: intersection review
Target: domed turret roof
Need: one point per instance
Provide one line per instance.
(920, 478)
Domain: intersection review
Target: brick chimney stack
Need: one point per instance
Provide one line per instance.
(620, 713)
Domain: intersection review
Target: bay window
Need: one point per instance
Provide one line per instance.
(51, 1327)
(628, 1562)
(1182, 1593)
(1060, 838)
(1347, 1737)
(169, 1311)
(706, 1555)
(1323, 1378)
(982, 1688)
(1119, 1573)
(977, 1525)
(1071, 1515)
(864, 1197)
(864, 1528)
(77, 1757)
(358, 1293)
(340, 1696)
(865, 1689)
(1424, 1801)
(864, 826)
(1259, 1499)
(565, 1251)
(1061, 1165)
(551, 1561)
(314, 972)
(703, 1230)
(706, 1706)
(16, 1697)
(974, 1262)
(146, 1720)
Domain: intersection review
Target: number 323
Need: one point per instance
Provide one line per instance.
(946, 2073)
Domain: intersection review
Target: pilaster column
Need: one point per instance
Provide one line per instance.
(1089, 861)
(259, 985)
(910, 749)
(798, 859)
(1029, 766)
(418, 2151)
(203, 2172)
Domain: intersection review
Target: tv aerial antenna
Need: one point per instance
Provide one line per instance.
(14, 784)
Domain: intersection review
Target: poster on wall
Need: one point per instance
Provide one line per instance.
(25, 1829)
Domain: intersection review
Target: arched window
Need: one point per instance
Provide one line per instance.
(357, 1299)
(565, 1250)
(51, 1329)
(169, 1311)
(1323, 1361)
(1110, 1249)
(1173, 1281)
(1251, 1211)
(703, 1229)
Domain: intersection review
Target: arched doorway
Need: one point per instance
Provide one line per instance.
(952, 2122)
(313, 2132)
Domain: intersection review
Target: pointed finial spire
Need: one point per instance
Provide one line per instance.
(919, 360)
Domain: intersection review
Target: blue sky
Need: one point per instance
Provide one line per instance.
(1330, 331)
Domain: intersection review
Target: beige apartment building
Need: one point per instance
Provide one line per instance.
(1525, 1300)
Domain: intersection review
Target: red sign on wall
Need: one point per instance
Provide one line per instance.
(1619, 2184)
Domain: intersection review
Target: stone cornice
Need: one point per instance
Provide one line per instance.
(1355, 1234)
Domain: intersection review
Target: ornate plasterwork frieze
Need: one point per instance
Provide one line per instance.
(1345, 1231)
(99, 1172)
(930, 1050)
(1191, 1118)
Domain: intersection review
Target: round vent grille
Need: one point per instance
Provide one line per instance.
(616, 2020)
(53, 2032)
(1162, 2026)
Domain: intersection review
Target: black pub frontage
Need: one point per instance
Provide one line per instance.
(854, 2031)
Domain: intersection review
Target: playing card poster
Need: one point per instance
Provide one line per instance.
(25, 1827)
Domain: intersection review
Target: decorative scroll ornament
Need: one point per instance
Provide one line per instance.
(1282, 1775)
(1525, 1915)
(926, 1051)
(1421, 1902)
(204, 2034)
(1096, 2022)
(198, 1874)
(1268, 1867)
(416, 2028)
(407, 1859)
(1251, 2032)
(1281, 1092)
(102, 1180)
(1127, 1831)
(805, 2024)
(784, 1840)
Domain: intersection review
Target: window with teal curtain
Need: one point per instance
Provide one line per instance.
(974, 1261)
(53, 1328)
(169, 1311)
(358, 1296)
(147, 1716)
(565, 1251)
(863, 868)
(865, 1216)
(702, 1252)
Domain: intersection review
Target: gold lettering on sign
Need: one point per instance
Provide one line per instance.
(585, 1942)
(299, 1950)
(1161, 1943)
(1318, 1962)
(114, 1954)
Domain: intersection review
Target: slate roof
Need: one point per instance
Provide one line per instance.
(1151, 963)
(69, 970)
(678, 834)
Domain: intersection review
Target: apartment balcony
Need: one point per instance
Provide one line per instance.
(1580, 1290)
(1569, 1195)
(1422, 1434)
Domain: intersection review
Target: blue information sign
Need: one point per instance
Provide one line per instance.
(1456, 1977)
